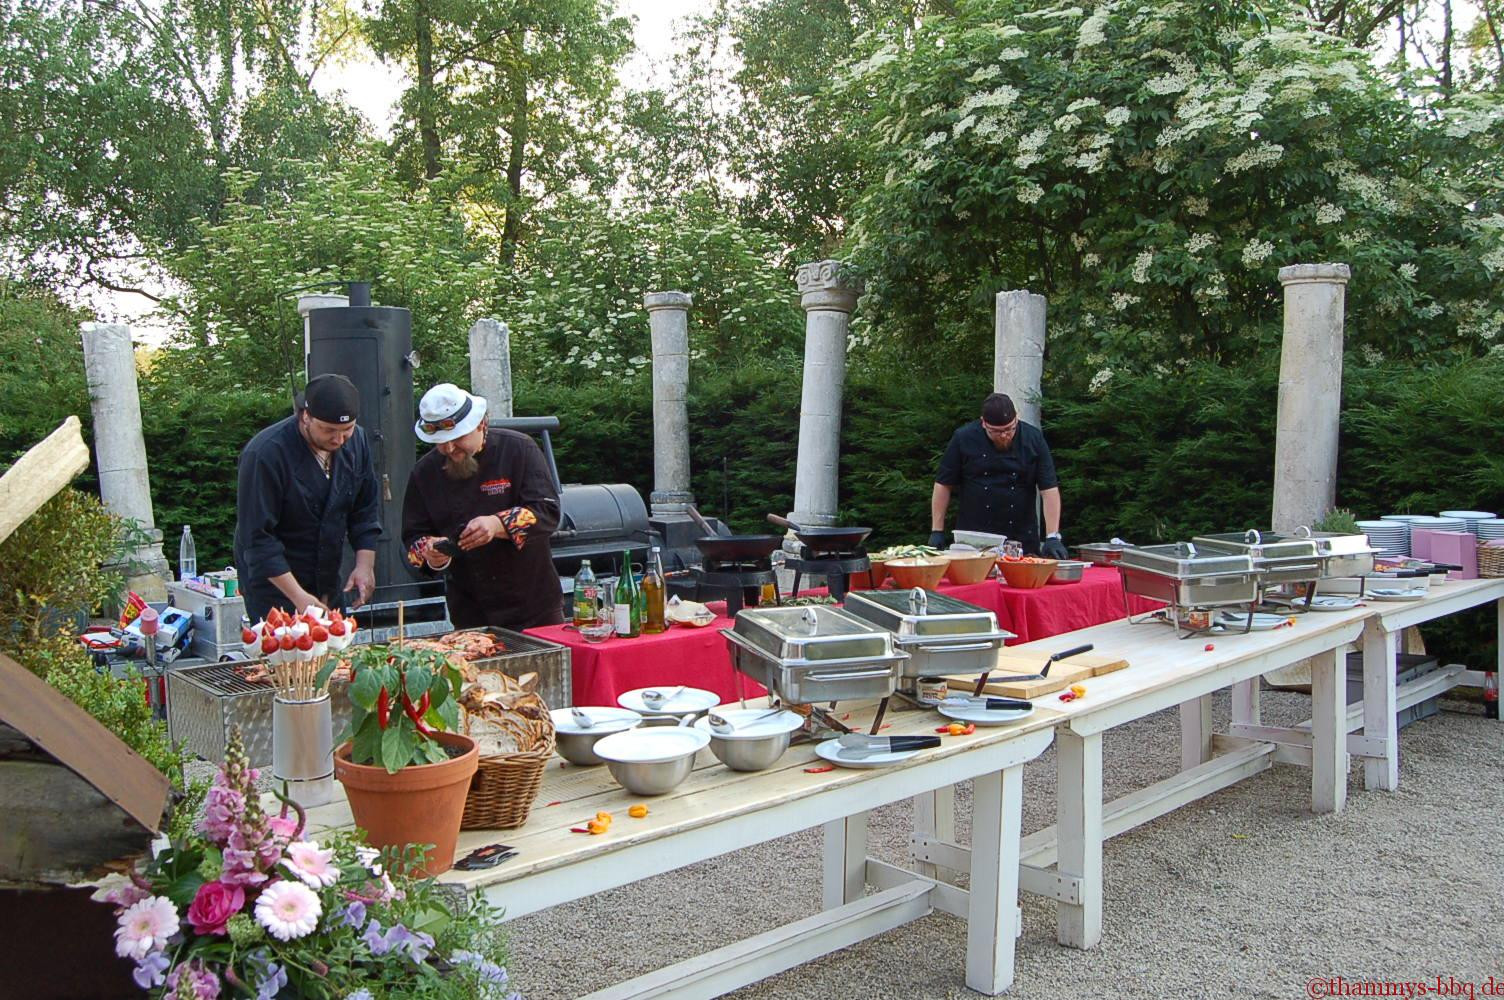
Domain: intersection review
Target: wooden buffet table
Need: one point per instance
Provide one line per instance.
(717, 811)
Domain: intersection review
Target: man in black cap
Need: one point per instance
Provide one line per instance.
(1000, 463)
(306, 484)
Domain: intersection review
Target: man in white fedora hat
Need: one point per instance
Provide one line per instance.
(479, 509)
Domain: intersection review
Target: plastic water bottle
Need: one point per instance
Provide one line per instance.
(187, 556)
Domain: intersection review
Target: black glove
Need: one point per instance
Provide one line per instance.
(937, 540)
(1053, 548)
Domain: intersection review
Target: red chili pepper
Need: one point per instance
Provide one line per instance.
(383, 708)
(971, 727)
(556, 802)
(579, 829)
(819, 770)
(943, 729)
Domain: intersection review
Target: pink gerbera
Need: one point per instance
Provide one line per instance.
(288, 910)
(145, 927)
(315, 867)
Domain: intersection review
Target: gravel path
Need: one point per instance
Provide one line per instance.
(1245, 893)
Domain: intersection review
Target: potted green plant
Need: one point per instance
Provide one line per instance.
(405, 772)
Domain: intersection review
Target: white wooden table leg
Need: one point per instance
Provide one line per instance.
(1379, 649)
(935, 819)
(1078, 827)
(1195, 732)
(992, 915)
(1499, 640)
(845, 860)
(1245, 702)
(1329, 732)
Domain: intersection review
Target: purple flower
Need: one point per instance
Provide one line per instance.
(151, 970)
(203, 984)
(123, 897)
(223, 810)
(275, 979)
(375, 940)
(489, 973)
(352, 914)
(416, 943)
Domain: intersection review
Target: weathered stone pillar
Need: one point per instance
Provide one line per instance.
(828, 296)
(1310, 394)
(668, 317)
(120, 449)
(1018, 350)
(306, 305)
(491, 365)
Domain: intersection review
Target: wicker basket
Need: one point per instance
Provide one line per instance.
(1490, 561)
(506, 783)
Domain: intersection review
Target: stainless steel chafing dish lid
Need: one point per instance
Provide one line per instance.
(1330, 543)
(1183, 561)
(813, 634)
(919, 615)
(1264, 547)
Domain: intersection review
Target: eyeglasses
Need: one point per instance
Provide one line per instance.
(1001, 430)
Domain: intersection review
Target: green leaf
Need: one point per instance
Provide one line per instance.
(366, 689)
(396, 746)
(367, 746)
(418, 680)
(182, 889)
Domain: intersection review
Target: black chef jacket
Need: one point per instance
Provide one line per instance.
(290, 517)
(998, 488)
(501, 584)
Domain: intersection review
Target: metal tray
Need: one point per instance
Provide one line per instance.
(815, 654)
(1181, 575)
(808, 683)
(1102, 553)
(941, 634)
(526, 654)
(1182, 560)
(1279, 559)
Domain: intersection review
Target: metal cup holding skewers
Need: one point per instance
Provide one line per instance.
(302, 721)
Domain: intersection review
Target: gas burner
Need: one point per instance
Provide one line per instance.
(836, 567)
(739, 582)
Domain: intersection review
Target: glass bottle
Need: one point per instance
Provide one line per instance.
(586, 593)
(628, 615)
(655, 596)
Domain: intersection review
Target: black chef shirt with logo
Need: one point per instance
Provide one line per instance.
(997, 488)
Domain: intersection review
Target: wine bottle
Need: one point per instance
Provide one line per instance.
(628, 615)
(653, 587)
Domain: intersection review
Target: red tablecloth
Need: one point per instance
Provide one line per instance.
(698, 657)
(1051, 610)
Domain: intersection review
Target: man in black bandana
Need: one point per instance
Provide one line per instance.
(999, 463)
(480, 508)
(306, 485)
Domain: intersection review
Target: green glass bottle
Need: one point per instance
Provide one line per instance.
(628, 605)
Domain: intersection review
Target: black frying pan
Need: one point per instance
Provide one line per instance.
(824, 539)
(732, 548)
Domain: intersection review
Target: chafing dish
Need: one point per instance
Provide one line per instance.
(943, 636)
(1342, 554)
(1279, 559)
(1182, 576)
(1102, 553)
(815, 654)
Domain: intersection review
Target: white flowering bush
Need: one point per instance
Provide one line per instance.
(1149, 166)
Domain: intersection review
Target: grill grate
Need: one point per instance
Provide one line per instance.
(221, 678)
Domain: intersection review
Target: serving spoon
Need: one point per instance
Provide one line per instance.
(654, 698)
(726, 727)
(582, 719)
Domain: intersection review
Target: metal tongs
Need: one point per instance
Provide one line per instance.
(1043, 673)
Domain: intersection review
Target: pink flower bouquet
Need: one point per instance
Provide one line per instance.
(249, 907)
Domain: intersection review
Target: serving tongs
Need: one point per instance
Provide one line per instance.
(1043, 673)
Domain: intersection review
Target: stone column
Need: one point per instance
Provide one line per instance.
(828, 296)
(306, 305)
(491, 365)
(120, 449)
(1018, 350)
(668, 316)
(1310, 394)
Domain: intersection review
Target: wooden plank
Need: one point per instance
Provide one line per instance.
(1062, 674)
(39, 474)
(56, 828)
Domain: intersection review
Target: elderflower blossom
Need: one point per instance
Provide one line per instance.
(1117, 116)
(1067, 122)
(1197, 206)
(1494, 259)
(1030, 193)
(1259, 155)
(1010, 54)
(1034, 139)
(1099, 381)
(1093, 29)
(1327, 213)
(1255, 252)
(1141, 265)
(1122, 300)
(1091, 260)
(1408, 271)
(1430, 310)
(1168, 83)
(1078, 241)
(984, 74)
(1199, 242)
(1082, 104)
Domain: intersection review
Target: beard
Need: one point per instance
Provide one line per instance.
(462, 469)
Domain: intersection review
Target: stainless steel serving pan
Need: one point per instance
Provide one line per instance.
(1179, 573)
(1103, 553)
(941, 634)
(1279, 559)
(814, 654)
(1344, 555)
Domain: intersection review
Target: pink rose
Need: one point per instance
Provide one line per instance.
(213, 907)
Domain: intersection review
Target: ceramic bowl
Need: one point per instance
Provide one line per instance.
(1027, 575)
(969, 567)
(911, 573)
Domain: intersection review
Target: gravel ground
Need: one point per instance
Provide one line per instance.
(1245, 892)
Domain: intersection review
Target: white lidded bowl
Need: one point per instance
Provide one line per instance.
(652, 761)
(751, 746)
(576, 744)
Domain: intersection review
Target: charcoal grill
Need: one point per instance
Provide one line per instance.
(526, 654)
(204, 703)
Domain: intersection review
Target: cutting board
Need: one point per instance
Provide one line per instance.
(1063, 674)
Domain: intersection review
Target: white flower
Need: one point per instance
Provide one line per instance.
(1327, 213)
(1255, 252)
(1200, 242)
(314, 866)
(1099, 381)
(1067, 122)
(1258, 155)
(1008, 55)
(1169, 83)
(1197, 206)
(1408, 271)
(984, 74)
(1030, 193)
(1092, 29)
(1034, 139)
(1372, 354)
(1141, 265)
(145, 927)
(1083, 103)
(1122, 300)
(1117, 116)
(1493, 260)
(1078, 241)
(288, 910)
(370, 857)
(1091, 260)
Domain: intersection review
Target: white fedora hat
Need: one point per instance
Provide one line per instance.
(447, 412)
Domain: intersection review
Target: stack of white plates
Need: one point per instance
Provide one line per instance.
(1439, 523)
(1390, 537)
(1472, 517)
(1491, 529)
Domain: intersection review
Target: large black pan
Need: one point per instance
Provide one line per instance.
(732, 548)
(824, 539)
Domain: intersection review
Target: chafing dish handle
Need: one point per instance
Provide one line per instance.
(750, 647)
(812, 675)
(970, 647)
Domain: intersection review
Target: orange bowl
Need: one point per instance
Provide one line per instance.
(1027, 575)
(969, 568)
(924, 573)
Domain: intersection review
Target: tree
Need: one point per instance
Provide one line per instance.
(507, 99)
(1148, 167)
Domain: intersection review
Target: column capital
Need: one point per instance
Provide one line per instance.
(828, 284)
(667, 300)
(1299, 274)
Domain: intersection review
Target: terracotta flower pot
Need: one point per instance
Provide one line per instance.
(420, 804)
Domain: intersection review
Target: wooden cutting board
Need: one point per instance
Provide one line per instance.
(1063, 674)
